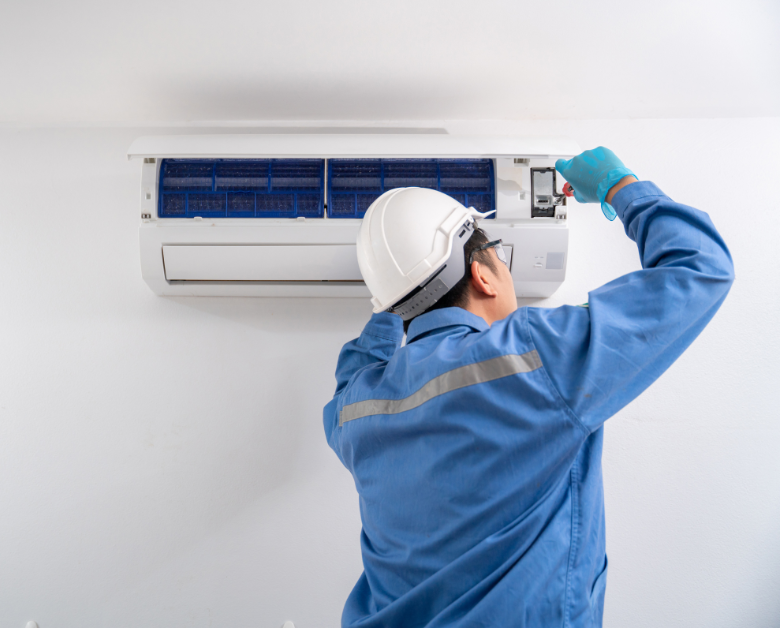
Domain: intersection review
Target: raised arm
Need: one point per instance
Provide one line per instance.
(603, 356)
(379, 340)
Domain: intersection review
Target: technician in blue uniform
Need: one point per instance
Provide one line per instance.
(476, 447)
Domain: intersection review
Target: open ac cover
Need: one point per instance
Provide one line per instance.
(278, 215)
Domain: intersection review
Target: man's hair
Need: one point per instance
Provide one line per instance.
(459, 295)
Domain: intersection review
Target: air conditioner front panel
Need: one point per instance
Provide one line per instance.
(334, 262)
(278, 215)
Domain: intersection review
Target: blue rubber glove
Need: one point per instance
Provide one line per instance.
(592, 174)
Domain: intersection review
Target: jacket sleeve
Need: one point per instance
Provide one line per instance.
(379, 340)
(603, 356)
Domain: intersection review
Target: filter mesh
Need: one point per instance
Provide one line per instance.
(242, 188)
(353, 184)
(287, 188)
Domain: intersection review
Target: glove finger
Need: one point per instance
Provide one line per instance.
(562, 165)
(578, 197)
(609, 211)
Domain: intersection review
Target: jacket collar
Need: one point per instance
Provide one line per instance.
(446, 317)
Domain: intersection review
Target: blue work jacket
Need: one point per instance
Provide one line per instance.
(476, 449)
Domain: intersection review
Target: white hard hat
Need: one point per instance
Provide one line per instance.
(410, 238)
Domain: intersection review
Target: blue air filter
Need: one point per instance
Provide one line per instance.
(353, 184)
(241, 188)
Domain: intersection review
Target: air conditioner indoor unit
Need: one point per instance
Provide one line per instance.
(278, 215)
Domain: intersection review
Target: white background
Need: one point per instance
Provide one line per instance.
(162, 460)
(194, 60)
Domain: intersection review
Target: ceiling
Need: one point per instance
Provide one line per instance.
(182, 62)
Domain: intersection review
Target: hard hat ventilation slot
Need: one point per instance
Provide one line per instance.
(353, 184)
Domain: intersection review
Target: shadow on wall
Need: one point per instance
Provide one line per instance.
(286, 315)
(320, 97)
(244, 128)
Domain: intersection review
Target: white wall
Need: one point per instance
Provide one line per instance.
(162, 461)
(157, 61)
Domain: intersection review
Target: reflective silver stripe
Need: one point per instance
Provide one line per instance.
(477, 373)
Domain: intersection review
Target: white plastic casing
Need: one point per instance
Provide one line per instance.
(317, 257)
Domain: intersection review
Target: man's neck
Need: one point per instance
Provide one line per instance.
(478, 308)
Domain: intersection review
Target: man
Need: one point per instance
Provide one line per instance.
(476, 447)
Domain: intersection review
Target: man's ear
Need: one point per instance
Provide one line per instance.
(482, 280)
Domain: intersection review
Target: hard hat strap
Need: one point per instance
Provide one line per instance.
(441, 282)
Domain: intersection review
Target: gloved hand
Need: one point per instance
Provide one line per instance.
(592, 174)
